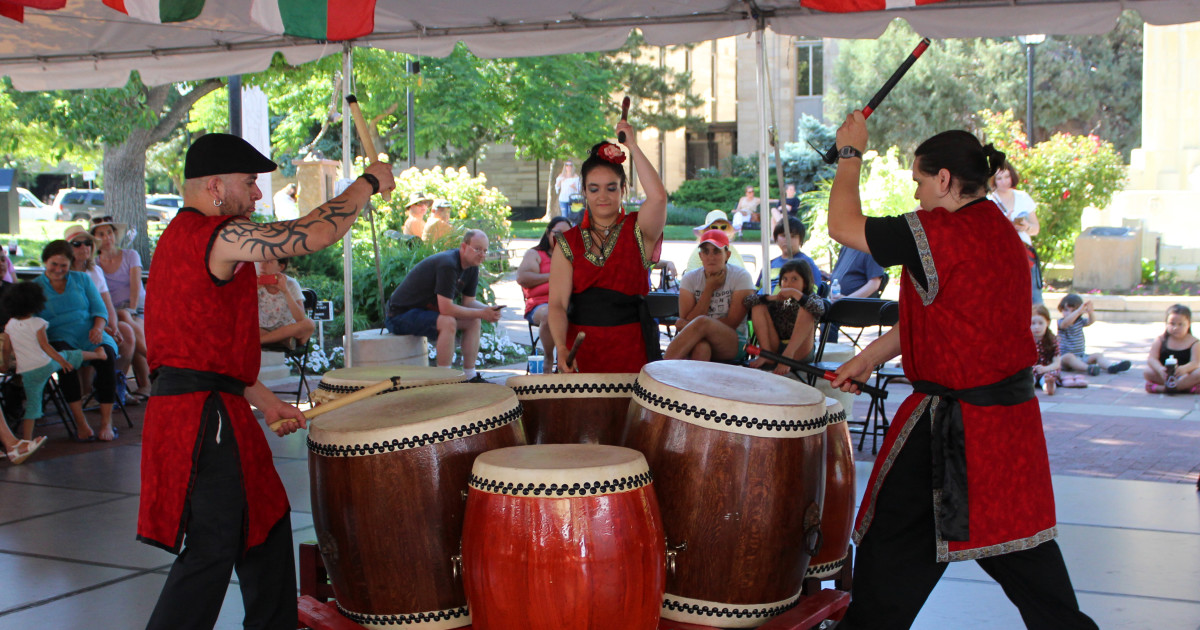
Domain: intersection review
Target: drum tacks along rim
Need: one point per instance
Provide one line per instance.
(835, 419)
(698, 611)
(537, 386)
(593, 471)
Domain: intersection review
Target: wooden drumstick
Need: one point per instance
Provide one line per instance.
(753, 350)
(360, 124)
(575, 348)
(362, 394)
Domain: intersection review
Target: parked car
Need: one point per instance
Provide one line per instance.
(32, 208)
(162, 207)
(77, 204)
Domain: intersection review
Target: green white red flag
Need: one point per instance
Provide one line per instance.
(332, 20)
(158, 11)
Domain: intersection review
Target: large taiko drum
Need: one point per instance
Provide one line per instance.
(337, 383)
(738, 462)
(563, 536)
(573, 408)
(388, 477)
(837, 512)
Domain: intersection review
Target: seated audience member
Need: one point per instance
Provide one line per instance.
(1076, 314)
(747, 205)
(122, 332)
(791, 203)
(714, 220)
(789, 249)
(786, 322)
(283, 204)
(712, 314)
(418, 205)
(36, 358)
(75, 320)
(281, 317)
(858, 274)
(425, 303)
(534, 277)
(1176, 348)
(123, 274)
(439, 226)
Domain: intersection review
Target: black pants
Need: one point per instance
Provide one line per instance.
(106, 377)
(196, 586)
(895, 567)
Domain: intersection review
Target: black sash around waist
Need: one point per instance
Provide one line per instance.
(606, 307)
(173, 381)
(949, 442)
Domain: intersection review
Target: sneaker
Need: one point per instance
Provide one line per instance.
(478, 378)
(1119, 366)
(1093, 370)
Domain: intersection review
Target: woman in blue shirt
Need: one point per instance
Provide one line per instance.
(75, 319)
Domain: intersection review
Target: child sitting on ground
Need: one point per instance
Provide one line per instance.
(1177, 342)
(1047, 372)
(36, 358)
(1076, 314)
(281, 319)
(786, 322)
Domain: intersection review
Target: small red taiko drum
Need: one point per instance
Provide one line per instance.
(563, 536)
(738, 462)
(388, 477)
(837, 510)
(337, 383)
(573, 408)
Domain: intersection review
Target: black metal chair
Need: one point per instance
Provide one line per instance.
(664, 307)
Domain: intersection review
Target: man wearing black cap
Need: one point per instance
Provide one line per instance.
(207, 471)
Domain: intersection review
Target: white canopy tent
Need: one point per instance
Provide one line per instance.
(88, 45)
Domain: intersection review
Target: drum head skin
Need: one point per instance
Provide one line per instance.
(337, 383)
(731, 398)
(412, 418)
(560, 470)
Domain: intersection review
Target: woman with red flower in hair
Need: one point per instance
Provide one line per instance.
(599, 274)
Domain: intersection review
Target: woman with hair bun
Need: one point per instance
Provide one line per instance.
(963, 473)
(599, 273)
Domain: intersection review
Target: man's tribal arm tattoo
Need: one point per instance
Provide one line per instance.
(269, 241)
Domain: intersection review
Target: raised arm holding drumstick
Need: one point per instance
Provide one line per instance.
(598, 272)
(207, 471)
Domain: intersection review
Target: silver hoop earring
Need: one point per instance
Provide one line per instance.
(218, 203)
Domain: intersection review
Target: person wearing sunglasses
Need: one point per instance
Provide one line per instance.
(84, 247)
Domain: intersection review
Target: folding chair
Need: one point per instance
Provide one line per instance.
(664, 307)
(860, 313)
(298, 357)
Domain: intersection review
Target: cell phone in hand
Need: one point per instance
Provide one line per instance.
(496, 307)
(268, 279)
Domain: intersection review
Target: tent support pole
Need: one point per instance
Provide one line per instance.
(764, 209)
(348, 240)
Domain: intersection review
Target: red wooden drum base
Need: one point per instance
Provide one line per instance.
(738, 463)
(340, 382)
(573, 408)
(563, 536)
(837, 511)
(388, 476)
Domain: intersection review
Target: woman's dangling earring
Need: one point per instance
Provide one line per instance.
(586, 222)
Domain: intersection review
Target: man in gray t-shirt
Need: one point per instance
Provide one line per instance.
(427, 302)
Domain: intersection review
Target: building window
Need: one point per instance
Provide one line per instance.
(810, 67)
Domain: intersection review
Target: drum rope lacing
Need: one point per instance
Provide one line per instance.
(416, 441)
(611, 486)
(727, 613)
(765, 424)
(574, 388)
(404, 619)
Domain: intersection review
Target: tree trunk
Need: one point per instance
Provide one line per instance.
(125, 188)
(552, 209)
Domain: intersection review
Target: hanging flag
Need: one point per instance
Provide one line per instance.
(15, 9)
(853, 6)
(158, 11)
(332, 20)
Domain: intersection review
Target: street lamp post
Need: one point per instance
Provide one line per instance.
(1029, 41)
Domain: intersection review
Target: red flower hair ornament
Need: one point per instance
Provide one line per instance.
(610, 152)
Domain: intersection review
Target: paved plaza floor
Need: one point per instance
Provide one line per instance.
(1124, 464)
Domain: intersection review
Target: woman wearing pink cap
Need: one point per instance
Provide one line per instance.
(712, 316)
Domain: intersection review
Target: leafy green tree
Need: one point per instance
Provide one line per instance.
(34, 144)
(958, 77)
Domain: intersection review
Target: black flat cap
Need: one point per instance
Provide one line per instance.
(221, 153)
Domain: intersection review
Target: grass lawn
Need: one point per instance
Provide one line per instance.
(534, 229)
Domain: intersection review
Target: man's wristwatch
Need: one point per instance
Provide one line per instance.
(848, 151)
(374, 182)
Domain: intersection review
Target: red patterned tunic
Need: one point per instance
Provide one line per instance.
(623, 267)
(195, 321)
(969, 327)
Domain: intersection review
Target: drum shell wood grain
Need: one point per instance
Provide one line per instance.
(573, 408)
(591, 563)
(837, 512)
(737, 501)
(389, 524)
